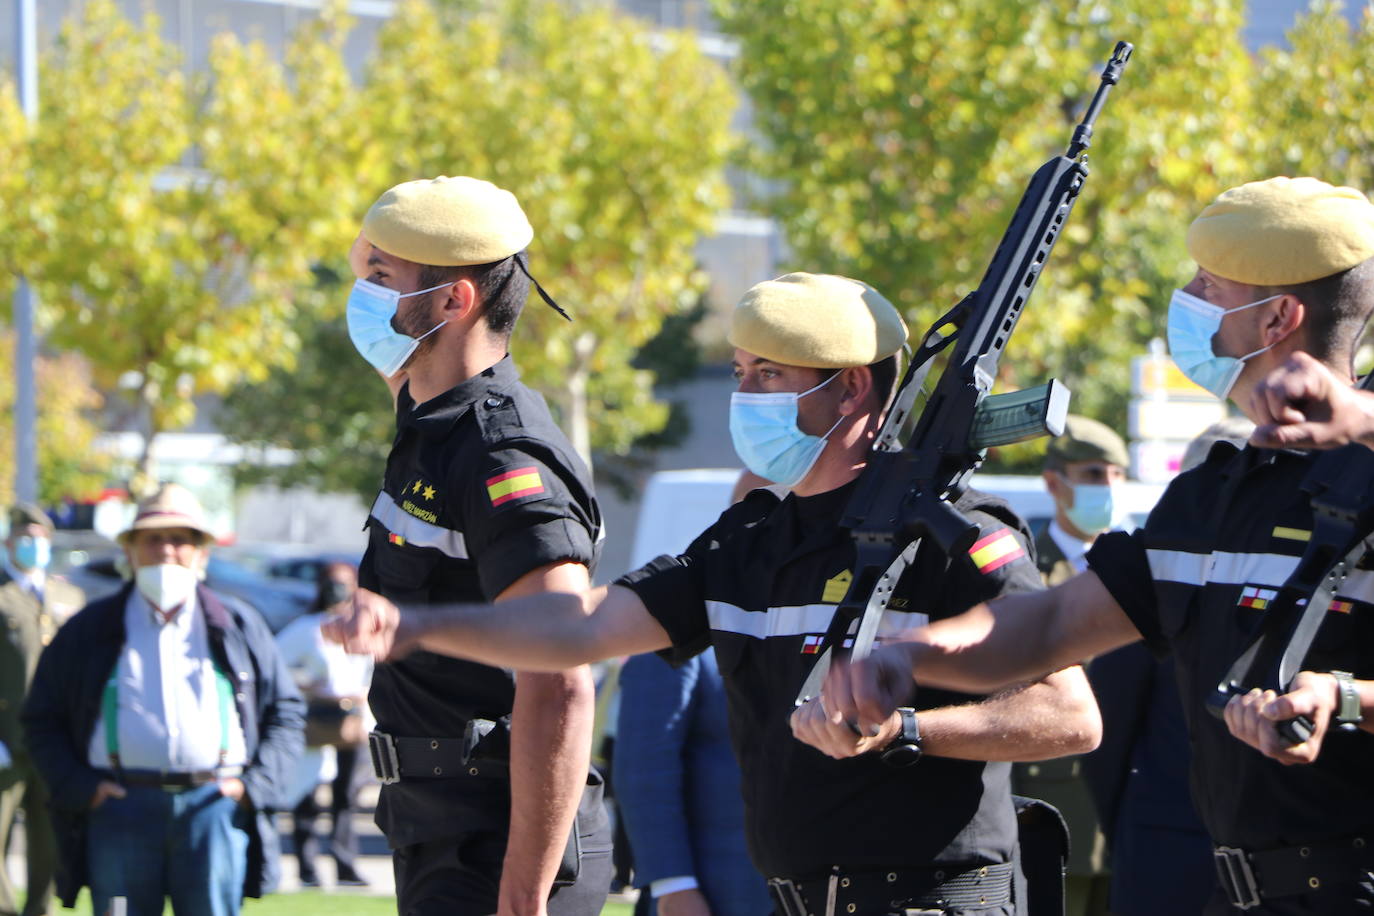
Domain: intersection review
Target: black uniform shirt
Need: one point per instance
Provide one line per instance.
(761, 585)
(481, 487)
(1223, 539)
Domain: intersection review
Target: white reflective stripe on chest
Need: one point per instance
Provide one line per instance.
(1222, 568)
(418, 531)
(797, 620)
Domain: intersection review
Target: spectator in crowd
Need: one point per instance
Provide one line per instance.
(32, 603)
(678, 787)
(334, 685)
(1082, 468)
(164, 723)
(1139, 774)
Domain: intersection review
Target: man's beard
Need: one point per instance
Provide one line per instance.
(412, 319)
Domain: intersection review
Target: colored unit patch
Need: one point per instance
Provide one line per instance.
(396, 539)
(1342, 607)
(514, 484)
(811, 644)
(996, 550)
(1256, 597)
(836, 587)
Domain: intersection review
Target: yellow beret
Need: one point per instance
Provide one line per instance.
(1283, 231)
(448, 222)
(817, 320)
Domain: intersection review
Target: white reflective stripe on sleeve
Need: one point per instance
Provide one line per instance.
(418, 531)
(1221, 568)
(797, 620)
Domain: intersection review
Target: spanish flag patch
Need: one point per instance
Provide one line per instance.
(996, 550)
(514, 484)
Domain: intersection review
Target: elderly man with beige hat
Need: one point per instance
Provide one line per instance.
(165, 726)
(909, 818)
(1284, 279)
(489, 800)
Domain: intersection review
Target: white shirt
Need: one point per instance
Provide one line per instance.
(169, 709)
(1074, 550)
(320, 667)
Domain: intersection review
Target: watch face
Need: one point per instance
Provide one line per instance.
(901, 755)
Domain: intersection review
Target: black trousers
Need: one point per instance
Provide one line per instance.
(354, 768)
(461, 875)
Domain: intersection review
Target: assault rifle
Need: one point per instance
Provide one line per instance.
(905, 494)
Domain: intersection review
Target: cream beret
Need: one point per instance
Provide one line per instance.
(448, 222)
(1283, 231)
(817, 320)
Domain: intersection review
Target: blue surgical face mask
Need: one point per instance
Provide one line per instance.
(1193, 322)
(371, 307)
(32, 552)
(1092, 507)
(764, 429)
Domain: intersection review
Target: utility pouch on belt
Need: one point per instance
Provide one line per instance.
(1043, 851)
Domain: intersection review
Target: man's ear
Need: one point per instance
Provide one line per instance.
(857, 383)
(1289, 314)
(1056, 485)
(461, 301)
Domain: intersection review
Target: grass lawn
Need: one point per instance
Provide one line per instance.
(312, 903)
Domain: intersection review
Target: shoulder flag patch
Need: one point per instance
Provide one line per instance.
(514, 484)
(996, 550)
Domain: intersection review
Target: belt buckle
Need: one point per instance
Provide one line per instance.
(788, 897)
(386, 765)
(1237, 877)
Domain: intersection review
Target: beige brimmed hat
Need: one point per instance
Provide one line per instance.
(1283, 231)
(172, 506)
(817, 320)
(446, 222)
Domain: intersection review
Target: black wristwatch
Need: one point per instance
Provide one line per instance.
(905, 749)
(1349, 714)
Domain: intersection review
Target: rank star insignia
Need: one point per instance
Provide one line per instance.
(429, 493)
(416, 487)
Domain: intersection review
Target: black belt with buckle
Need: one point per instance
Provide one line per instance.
(1250, 877)
(843, 892)
(166, 779)
(394, 759)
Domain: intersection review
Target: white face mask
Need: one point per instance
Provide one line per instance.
(166, 585)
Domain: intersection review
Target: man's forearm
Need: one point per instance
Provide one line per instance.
(547, 633)
(1020, 638)
(1050, 718)
(551, 728)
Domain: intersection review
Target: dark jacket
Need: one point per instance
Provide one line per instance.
(64, 703)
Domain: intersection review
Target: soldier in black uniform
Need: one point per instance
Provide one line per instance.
(868, 832)
(488, 791)
(1285, 283)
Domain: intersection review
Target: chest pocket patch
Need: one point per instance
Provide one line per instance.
(516, 485)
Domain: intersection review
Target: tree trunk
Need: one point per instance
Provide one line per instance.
(579, 424)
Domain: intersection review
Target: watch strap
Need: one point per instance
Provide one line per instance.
(905, 749)
(1349, 713)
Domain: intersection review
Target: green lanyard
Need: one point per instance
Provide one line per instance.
(110, 708)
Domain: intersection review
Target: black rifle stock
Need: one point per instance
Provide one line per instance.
(905, 494)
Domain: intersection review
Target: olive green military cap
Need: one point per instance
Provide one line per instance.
(817, 320)
(1283, 231)
(1085, 439)
(447, 222)
(22, 514)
